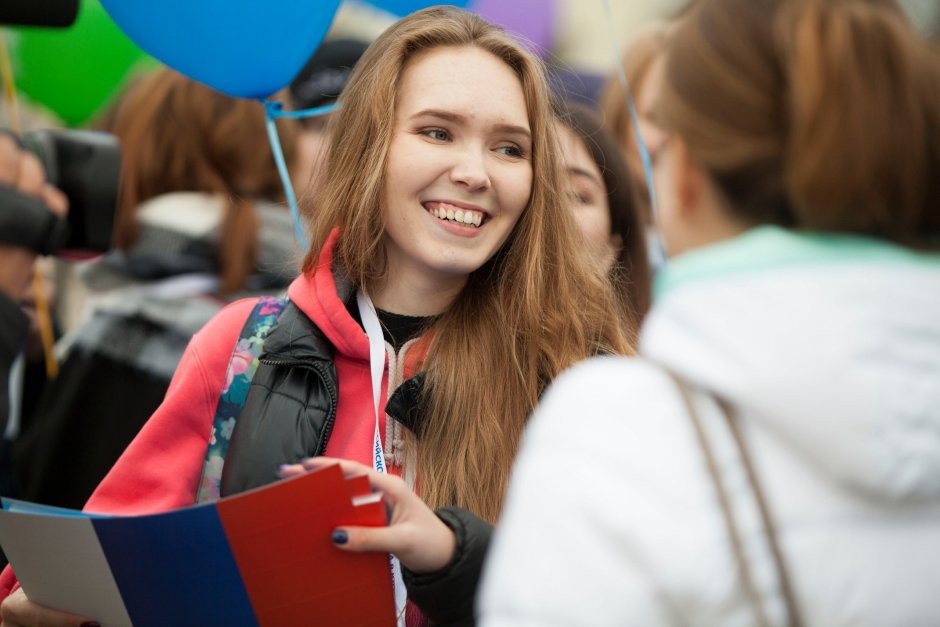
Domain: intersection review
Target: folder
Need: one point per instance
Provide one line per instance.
(259, 558)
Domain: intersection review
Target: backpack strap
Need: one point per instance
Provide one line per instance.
(241, 369)
(761, 617)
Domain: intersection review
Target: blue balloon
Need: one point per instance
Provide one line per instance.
(404, 7)
(244, 48)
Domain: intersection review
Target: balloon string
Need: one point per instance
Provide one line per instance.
(635, 123)
(631, 106)
(272, 111)
(276, 110)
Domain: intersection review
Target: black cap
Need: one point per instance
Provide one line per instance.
(326, 73)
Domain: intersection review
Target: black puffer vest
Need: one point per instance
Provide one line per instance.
(290, 408)
(291, 405)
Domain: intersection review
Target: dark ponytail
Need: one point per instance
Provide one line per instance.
(238, 245)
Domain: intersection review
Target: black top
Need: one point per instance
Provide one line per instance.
(398, 329)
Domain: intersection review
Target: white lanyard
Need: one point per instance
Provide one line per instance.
(370, 321)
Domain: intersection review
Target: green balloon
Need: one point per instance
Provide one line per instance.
(74, 72)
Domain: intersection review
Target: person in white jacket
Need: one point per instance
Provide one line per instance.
(799, 199)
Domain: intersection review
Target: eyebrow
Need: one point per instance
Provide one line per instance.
(450, 116)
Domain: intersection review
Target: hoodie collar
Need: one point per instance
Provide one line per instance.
(830, 342)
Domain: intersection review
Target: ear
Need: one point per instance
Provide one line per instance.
(700, 204)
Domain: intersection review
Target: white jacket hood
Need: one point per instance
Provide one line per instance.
(832, 341)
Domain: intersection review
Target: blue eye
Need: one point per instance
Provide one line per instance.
(437, 134)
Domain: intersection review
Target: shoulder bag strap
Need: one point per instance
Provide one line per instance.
(241, 369)
(786, 588)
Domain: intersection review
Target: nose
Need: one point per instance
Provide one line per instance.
(470, 169)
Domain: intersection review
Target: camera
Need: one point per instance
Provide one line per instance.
(48, 13)
(85, 166)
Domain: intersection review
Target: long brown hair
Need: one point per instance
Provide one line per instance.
(179, 135)
(812, 115)
(528, 313)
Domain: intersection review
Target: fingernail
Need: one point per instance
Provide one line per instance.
(340, 537)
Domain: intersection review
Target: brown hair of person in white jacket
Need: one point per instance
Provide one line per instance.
(799, 199)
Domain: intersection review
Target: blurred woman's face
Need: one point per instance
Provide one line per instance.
(587, 198)
(645, 95)
(648, 92)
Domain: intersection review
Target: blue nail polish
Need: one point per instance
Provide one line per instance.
(340, 537)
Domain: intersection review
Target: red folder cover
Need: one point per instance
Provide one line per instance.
(263, 557)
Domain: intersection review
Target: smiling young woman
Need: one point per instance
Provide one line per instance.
(481, 134)
(441, 207)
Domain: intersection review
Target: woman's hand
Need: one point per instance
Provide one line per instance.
(415, 535)
(18, 611)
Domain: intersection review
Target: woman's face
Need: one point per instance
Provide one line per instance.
(587, 197)
(459, 167)
(645, 95)
(668, 216)
(649, 89)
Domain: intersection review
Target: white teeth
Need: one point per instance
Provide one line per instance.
(460, 216)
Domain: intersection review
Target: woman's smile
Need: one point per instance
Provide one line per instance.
(459, 172)
(458, 214)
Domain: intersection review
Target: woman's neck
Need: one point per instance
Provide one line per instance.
(415, 296)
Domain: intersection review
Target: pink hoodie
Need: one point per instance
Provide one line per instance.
(161, 468)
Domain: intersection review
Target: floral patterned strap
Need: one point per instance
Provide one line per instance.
(241, 368)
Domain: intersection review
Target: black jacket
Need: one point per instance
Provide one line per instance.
(290, 408)
(14, 325)
(447, 596)
(108, 386)
(288, 416)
